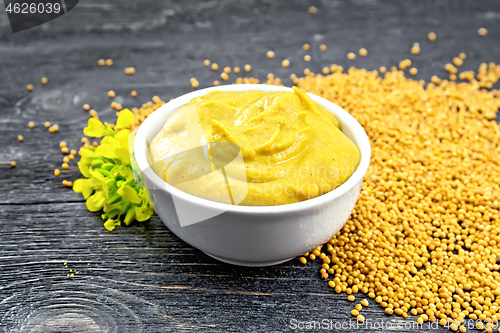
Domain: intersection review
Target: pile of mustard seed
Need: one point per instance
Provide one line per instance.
(424, 236)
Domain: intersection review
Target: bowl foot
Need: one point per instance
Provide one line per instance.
(247, 263)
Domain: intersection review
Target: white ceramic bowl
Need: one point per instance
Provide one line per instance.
(253, 235)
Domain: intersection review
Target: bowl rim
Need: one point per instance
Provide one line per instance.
(346, 119)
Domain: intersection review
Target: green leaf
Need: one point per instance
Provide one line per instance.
(111, 182)
(116, 169)
(95, 128)
(130, 216)
(115, 198)
(110, 224)
(125, 206)
(130, 182)
(110, 214)
(96, 163)
(127, 192)
(108, 166)
(125, 118)
(104, 172)
(96, 201)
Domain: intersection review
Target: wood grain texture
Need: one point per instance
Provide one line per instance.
(142, 278)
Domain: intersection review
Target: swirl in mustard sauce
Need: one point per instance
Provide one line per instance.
(293, 149)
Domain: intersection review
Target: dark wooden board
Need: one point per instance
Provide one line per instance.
(142, 278)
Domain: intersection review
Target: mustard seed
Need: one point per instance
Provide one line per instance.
(458, 61)
(130, 70)
(194, 83)
(415, 49)
(404, 252)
